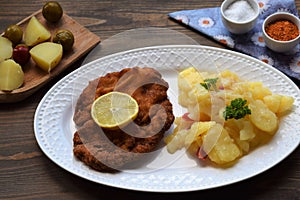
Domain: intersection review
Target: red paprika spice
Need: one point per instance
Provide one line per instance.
(282, 30)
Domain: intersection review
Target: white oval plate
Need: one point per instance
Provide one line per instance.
(54, 127)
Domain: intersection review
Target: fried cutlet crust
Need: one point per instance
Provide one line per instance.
(111, 150)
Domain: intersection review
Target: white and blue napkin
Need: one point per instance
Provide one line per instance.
(208, 21)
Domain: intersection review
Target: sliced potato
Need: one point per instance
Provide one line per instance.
(286, 104)
(262, 117)
(11, 75)
(35, 32)
(219, 146)
(6, 48)
(273, 102)
(47, 55)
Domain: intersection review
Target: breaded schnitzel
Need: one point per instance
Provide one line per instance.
(110, 150)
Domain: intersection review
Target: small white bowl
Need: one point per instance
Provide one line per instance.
(277, 45)
(236, 26)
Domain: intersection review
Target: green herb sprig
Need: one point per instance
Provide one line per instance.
(210, 83)
(237, 109)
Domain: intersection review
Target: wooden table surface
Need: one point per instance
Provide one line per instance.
(26, 173)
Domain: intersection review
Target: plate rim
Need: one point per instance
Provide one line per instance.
(290, 82)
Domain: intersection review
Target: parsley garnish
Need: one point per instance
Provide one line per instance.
(210, 82)
(237, 109)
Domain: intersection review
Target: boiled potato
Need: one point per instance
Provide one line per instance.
(278, 103)
(176, 141)
(197, 131)
(219, 146)
(188, 78)
(234, 130)
(286, 104)
(247, 132)
(189, 87)
(227, 74)
(35, 32)
(11, 75)
(185, 137)
(6, 48)
(257, 90)
(273, 102)
(47, 55)
(228, 79)
(206, 133)
(262, 117)
(244, 128)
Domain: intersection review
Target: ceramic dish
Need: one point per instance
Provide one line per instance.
(54, 127)
(277, 45)
(239, 27)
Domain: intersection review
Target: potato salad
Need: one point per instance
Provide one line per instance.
(226, 116)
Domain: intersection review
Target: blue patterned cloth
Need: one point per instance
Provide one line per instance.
(208, 21)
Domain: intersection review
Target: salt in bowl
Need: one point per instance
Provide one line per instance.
(239, 16)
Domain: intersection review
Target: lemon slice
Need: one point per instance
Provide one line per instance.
(114, 109)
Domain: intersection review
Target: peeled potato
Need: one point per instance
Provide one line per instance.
(176, 141)
(47, 55)
(219, 146)
(262, 117)
(273, 102)
(11, 75)
(258, 90)
(35, 32)
(197, 131)
(6, 48)
(286, 104)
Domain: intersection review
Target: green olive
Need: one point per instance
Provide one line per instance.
(52, 11)
(14, 33)
(65, 38)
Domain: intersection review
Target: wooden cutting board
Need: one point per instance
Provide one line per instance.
(34, 77)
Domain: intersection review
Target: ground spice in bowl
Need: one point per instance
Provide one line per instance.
(282, 30)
